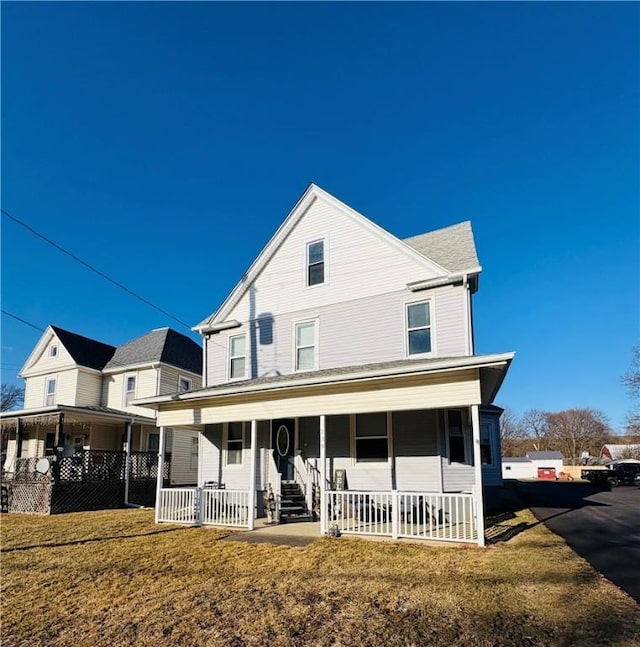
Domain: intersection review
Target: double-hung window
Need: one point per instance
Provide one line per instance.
(237, 357)
(455, 436)
(315, 263)
(371, 437)
(235, 443)
(419, 328)
(194, 453)
(486, 455)
(306, 346)
(129, 390)
(50, 392)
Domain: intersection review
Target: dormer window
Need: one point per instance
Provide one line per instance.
(418, 328)
(129, 390)
(53, 350)
(315, 263)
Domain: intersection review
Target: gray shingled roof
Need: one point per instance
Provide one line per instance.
(161, 345)
(545, 455)
(451, 247)
(85, 351)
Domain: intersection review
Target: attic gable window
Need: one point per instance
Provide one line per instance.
(53, 350)
(237, 357)
(315, 263)
(419, 328)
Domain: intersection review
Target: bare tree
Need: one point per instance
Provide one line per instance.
(535, 426)
(631, 379)
(575, 431)
(510, 433)
(11, 397)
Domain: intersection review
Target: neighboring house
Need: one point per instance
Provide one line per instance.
(620, 452)
(79, 394)
(342, 365)
(533, 465)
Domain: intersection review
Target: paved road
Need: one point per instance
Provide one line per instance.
(603, 526)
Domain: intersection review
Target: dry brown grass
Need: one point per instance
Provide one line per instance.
(114, 578)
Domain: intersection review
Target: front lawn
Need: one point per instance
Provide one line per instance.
(114, 578)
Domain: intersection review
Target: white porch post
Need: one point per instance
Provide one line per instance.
(477, 463)
(252, 475)
(127, 465)
(160, 471)
(323, 476)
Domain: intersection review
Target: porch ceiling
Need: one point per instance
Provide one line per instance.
(446, 386)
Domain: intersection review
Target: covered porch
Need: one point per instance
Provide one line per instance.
(393, 450)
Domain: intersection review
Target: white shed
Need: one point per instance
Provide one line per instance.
(534, 465)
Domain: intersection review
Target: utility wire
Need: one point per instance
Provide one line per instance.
(24, 321)
(93, 269)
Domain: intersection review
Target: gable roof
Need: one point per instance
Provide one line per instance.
(453, 245)
(84, 351)
(160, 345)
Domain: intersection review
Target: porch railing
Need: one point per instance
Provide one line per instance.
(206, 506)
(416, 515)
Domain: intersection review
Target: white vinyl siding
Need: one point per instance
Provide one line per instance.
(146, 386)
(358, 332)
(184, 456)
(170, 377)
(35, 389)
(88, 389)
(45, 362)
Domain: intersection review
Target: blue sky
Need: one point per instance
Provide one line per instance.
(165, 142)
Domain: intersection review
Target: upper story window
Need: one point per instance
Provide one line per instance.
(53, 350)
(455, 436)
(237, 357)
(306, 346)
(315, 263)
(50, 391)
(371, 437)
(129, 389)
(184, 384)
(419, 328)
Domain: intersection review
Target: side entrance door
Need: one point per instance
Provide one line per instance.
(283, 441)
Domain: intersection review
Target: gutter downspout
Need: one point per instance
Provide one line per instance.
(127, 469)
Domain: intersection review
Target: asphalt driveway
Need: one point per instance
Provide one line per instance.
(601, 525)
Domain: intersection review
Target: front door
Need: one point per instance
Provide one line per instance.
(283, 441)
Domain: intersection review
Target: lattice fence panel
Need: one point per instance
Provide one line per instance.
(92, 465)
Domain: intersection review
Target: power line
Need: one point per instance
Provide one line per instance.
(24, 321)
(93, 269)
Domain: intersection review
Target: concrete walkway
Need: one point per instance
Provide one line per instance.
(285, 534)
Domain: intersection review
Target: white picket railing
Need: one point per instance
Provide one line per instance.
(177, 505)
(205, 506)
(416, 515)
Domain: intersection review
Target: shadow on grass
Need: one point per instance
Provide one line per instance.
(91, 540)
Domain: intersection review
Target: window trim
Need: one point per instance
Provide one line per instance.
(225, 445)
(463, 433)
(194, 455)
(125, 389)
(307, 264)
(371, 464)
(186, 379)
(48, 380)
(232, 357)
(316, 362)
(431, 327)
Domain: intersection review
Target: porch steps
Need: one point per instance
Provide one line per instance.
(293, 507)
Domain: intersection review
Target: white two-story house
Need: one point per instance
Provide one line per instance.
(79, 395)
(343, 362)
